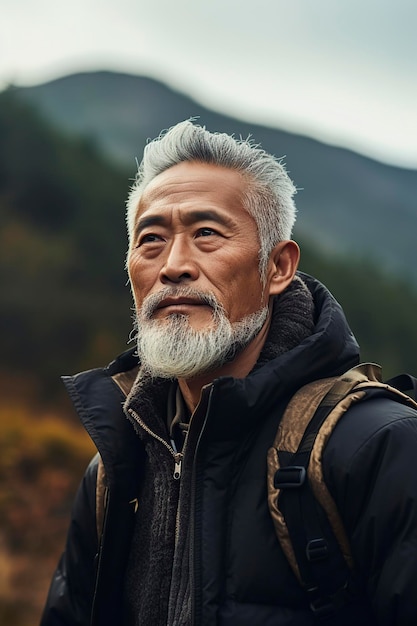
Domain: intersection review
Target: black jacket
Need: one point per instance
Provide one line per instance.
(239, 574)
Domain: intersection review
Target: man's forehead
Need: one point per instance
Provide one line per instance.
(172, 183)
(192, 177)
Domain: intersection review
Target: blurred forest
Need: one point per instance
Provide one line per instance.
(65, 306)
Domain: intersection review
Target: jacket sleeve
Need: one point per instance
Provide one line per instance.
(70, 596)
(370, 469)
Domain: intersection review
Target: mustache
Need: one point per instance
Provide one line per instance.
(151, 302)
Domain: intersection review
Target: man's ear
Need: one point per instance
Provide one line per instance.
(284, 261)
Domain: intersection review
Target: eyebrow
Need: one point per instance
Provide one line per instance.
(189, 218)
(145, 222)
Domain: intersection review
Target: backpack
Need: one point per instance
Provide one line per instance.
(305, 516)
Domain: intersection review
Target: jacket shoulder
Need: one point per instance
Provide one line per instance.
(372, 425)
(368, 468)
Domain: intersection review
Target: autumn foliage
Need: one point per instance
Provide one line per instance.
(42, 458)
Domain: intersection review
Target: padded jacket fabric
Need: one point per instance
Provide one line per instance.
(239, 574)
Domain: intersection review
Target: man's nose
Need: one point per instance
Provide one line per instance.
(179, 264)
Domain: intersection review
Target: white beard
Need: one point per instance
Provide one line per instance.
(171, 348)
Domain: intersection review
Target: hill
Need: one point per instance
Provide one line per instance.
(347, 203)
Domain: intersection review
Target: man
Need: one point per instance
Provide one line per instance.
(227, 331)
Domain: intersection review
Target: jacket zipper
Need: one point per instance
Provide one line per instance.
(177, 456)
(177, 518)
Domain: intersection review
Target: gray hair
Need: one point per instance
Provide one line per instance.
(268, 197)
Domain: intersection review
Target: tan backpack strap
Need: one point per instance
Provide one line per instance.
(124, 380)
(288, 438)
(300, 410)
(315, 468)
(101, 494)
(316, 477)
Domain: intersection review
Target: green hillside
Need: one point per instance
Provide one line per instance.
(62, 241)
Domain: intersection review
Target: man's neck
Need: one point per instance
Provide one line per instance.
(240, 367)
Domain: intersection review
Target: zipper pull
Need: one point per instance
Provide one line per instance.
(178, 466)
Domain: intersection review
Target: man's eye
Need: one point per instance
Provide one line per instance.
(149, 238)
(206, 232)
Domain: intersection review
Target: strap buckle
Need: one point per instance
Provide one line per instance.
(289, 477)
(317, 550)
(328, 605)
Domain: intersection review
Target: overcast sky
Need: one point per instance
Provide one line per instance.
(343, 71)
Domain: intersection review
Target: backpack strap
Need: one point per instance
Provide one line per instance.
(124, 380)
(101, 496)
(305, 516)
(296, 434)
(312, 537)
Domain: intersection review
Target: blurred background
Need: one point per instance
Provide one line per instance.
(329, 86)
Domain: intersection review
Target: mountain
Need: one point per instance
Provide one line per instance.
(348, 204)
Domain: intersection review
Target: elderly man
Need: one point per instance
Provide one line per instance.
(227, 331)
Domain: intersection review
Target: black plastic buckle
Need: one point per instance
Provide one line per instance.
(289, 477)
(328, 605)
(317, 550)
(323, 607)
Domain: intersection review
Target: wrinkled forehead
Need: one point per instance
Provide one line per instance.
(191, 180)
